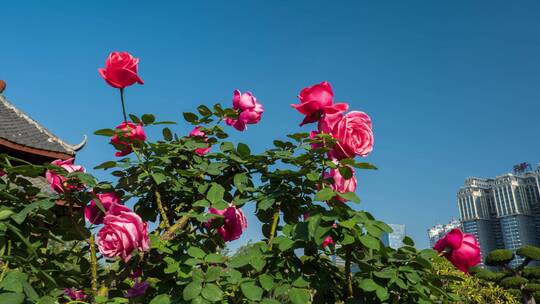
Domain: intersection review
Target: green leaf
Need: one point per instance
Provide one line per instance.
(204, 110)
(240, 181)
(243, 149)
(106, 165)
(11, 298)
(105, 132)
(265, 204)
(267, 282)
(346, 172)
(148, 119)
(299, 296)
(14, 281)
(369, 241)
(313, 176)
(226, 146)
(5, 214)
(161, 299)
(251, 291)
(212, 292)
(368, 285)
(213, 273)
(167, 134)
(325, 194)
(408, 241)
(158, 177)
(270, 301)
(214, 258)
(192, 290)
(191, 117)
(350, 196)
(134, 118)
(382, 294)
(365, 166)
(215, 194)
(196, 252)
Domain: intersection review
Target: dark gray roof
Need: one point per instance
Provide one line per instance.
(19, 128)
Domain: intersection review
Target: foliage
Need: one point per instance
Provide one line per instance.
(472, 289)
(522, 280)
(45, 245)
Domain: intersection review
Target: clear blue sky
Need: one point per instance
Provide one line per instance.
(452, 86)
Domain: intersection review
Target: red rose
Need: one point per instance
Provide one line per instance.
(120, 70)
(235, 222)
(460, 249)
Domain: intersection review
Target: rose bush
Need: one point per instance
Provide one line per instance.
(184, 198)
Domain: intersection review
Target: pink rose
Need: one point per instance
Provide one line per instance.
(110, 202)
(128, 133)
(317, 101)
(250, 111)
(58, 182)
(2, 173)
(120, 70)
(353, 132)
(74, 294)
(460, 249)
(340, 184)
(196, 132)
(235, 222)
(121, 234)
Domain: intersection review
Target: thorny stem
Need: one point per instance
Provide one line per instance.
(93, 262)
(164, 218)
(275, 221)
(170, 233)
(123, 104)
(348, 273)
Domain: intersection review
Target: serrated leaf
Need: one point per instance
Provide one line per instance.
(266, 281)
(243, 149)
(212, 292)
(192, 290)
(299, 296)
(204, 110)
(265, 204)
(368, 285)
(240, 181)
(350, 196)
(106, 165)
(167, 134)
(213, 273)
(161, 299)
(105, 132)
(325, 194)
(148, 119)
(196, 252)
(382, 294)
(369, 241)
(191, 117)
(251, 291)
(158, 177)
(215, 193)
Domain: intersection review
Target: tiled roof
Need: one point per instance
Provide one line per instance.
(19, 128)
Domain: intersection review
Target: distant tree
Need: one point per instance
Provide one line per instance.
(523, 280)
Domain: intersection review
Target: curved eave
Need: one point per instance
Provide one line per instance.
(34, 151)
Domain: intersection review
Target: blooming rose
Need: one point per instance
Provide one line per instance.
(120, 70)
(328, 241)
(460, 249)
(317, 101)
(138, 289)
(128, 133)
(340, 184)
(250, 111)
(353, 132)
(111, 203)
(197, 132)
(58, 182)
(74, 294)
(235, 222)
(122, 234)
(2, 173)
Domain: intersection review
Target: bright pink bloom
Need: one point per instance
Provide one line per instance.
(250, 111)
(196, 132)
(120, 70)
(235, 222)
(317, 101)
(138, 289)
(127, 133)
(460, 249)
(340, 184)
(58, 182)
(122, 234)
(74, 294)
(328, 241)
(353, 132)
(110, 202)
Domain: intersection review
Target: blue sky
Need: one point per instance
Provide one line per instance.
(452, 87)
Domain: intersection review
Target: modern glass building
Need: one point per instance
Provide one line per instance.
(502, 212)
(394, 239)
